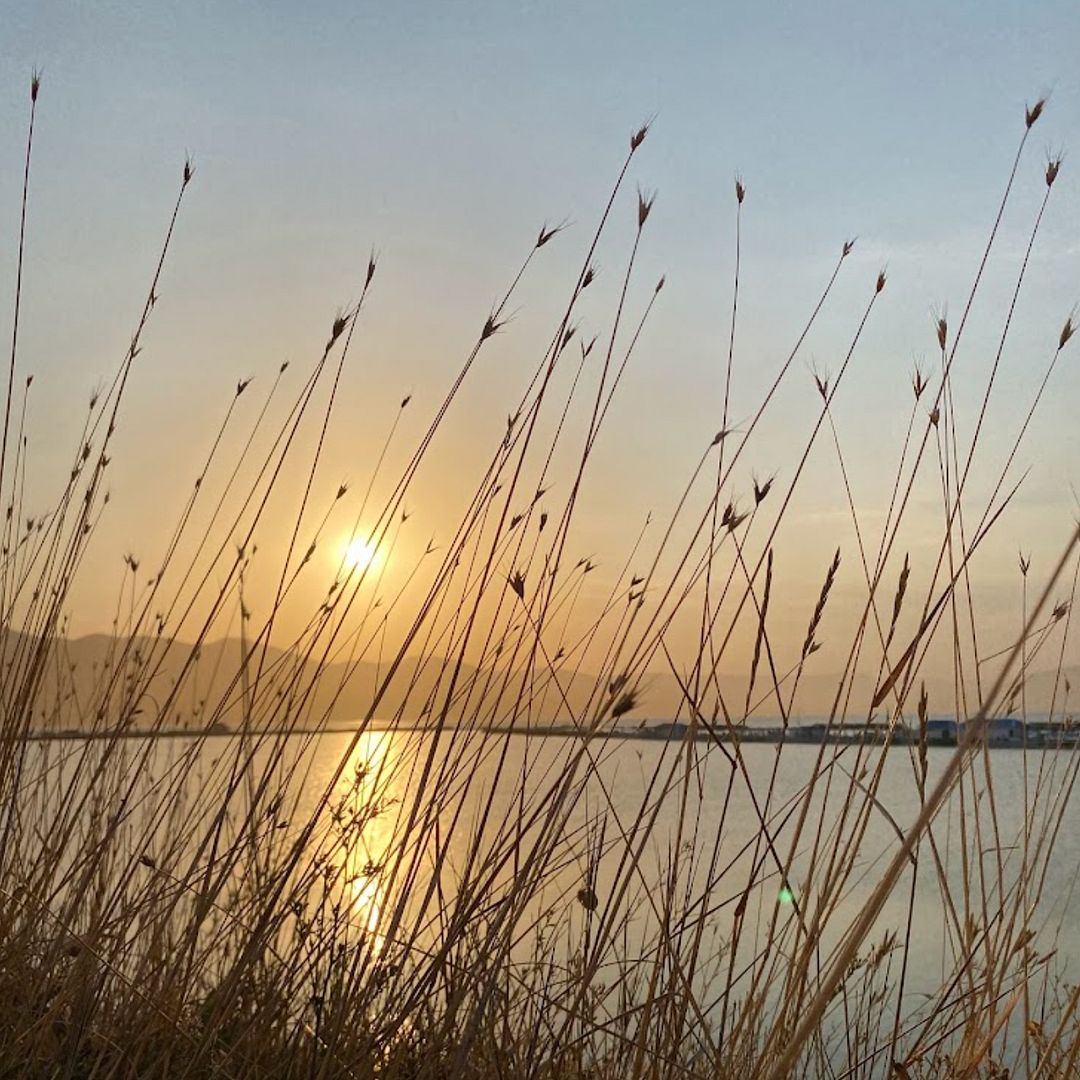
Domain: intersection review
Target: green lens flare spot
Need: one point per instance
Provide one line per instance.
(786, 896)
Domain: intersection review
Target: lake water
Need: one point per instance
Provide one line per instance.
(688, 814)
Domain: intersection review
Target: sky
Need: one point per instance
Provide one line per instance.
(443, 135)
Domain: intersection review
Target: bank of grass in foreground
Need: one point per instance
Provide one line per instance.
(227, 916)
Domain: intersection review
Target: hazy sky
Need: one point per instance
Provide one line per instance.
(444, 134)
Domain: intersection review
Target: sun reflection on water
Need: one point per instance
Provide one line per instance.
(368, 799)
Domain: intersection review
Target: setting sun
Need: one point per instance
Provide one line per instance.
(360, 554)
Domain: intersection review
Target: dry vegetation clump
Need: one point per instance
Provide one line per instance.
(444, 898)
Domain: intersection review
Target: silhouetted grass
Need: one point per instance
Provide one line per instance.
(455, 901)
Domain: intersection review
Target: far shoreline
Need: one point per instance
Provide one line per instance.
(1034, 735)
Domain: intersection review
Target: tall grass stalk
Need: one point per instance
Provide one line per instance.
(303, 814)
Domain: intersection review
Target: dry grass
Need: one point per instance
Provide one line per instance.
(455, 900)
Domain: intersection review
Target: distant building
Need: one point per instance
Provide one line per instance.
(1004, 729)
(942, 732)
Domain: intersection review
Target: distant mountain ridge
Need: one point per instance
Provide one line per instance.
(213, 689)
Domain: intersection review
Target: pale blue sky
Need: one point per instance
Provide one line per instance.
(445, 133)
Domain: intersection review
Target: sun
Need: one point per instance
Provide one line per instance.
(360, 554)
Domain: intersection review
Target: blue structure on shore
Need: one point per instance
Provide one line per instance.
(1005, 729)
(999, 731)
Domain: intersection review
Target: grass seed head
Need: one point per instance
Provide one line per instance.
(1033, 112)
(740, 190)
(645, 200)
(1067, 332)
(338, 327)
(586, 897)
(35, 84)
(517, 583)
(638, 137)
(547, 233)
(1053, 166)
(918, 382)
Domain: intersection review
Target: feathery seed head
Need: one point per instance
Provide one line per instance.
(740, 190)
(1067, 332)
(880, 281)
(645, 200)
(341, 491)
(822, 383)
(638, 137)
(546, 234)
(761, 490)
(935, 416)
(732, 518)
(405, 400)
(189, 171)
(590, 276)
(1053, 166)
(1033, 112)
(1025, 563)
(942, 331)
(660, 283)
(490, 327)
(241, 386)
(372, 259)
(736, 521)
(918, 382)
(338, 327)
(848, 246)
(35, 84)
(625, 704)
(517, 583)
